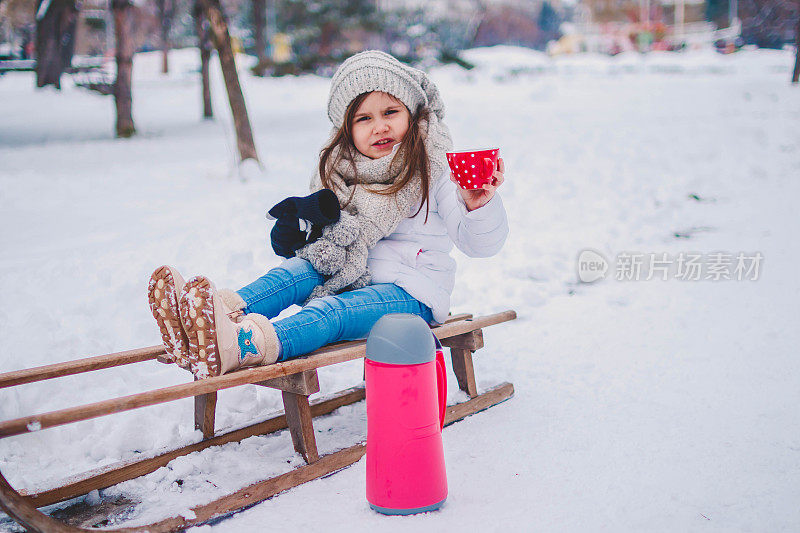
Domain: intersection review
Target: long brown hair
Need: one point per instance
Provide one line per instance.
(413, 144)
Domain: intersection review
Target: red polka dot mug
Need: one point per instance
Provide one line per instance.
(470, 167)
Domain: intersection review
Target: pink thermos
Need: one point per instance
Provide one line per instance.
(406, 392)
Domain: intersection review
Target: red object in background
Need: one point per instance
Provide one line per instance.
(470, 167)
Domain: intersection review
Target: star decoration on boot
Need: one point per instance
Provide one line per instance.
(246, 345)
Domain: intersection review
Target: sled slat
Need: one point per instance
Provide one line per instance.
(323, 357)
(57, 370)
(174, 392)
(491, 397)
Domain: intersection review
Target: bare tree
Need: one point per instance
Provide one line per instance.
(222, 40)
(166, 11)
(259, 28)
(796, 73)
(55, 40)
(123, 31)
(202, 27)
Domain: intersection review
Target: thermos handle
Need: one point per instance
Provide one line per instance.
(441, 382)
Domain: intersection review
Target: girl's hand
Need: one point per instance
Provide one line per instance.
(475, 198)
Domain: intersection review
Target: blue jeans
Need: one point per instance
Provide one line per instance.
(346, 316)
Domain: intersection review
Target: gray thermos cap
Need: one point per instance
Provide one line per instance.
(401, 339)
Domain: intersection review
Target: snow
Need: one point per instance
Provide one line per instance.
(639, 405)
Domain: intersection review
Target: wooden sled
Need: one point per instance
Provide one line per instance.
(297, 379)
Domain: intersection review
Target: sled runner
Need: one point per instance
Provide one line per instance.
(296, 379)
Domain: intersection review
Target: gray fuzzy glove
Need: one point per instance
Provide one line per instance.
(328, 253)
(354, 275)
(340, 254)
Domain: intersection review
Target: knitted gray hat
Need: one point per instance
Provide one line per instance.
(374, 70)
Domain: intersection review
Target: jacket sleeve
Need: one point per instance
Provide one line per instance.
(478, 233)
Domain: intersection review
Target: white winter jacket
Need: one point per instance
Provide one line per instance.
(416, 256)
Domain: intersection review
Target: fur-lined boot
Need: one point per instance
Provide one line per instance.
(162, 294)
(217, 343)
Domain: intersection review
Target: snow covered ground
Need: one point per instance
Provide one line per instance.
(661, 405)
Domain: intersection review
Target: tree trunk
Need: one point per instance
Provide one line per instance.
(55, 40)
(796, 73)
(165, 12)
(326, 39)
(201, 26)
(123, 31)
(222, 39)
(259, 28)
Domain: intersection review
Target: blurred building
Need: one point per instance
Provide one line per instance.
(490, 22)
(17, 28)
(613, 26)
(654, 11)
(91, 36)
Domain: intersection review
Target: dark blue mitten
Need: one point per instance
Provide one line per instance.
(315, 211)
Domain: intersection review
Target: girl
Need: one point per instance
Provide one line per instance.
(389, 252)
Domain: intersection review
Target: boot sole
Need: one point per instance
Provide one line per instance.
(197, 316)
(163, 299)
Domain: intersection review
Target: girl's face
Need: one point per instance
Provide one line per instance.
(380, 122)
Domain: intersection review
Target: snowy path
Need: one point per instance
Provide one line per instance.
(640, 405)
